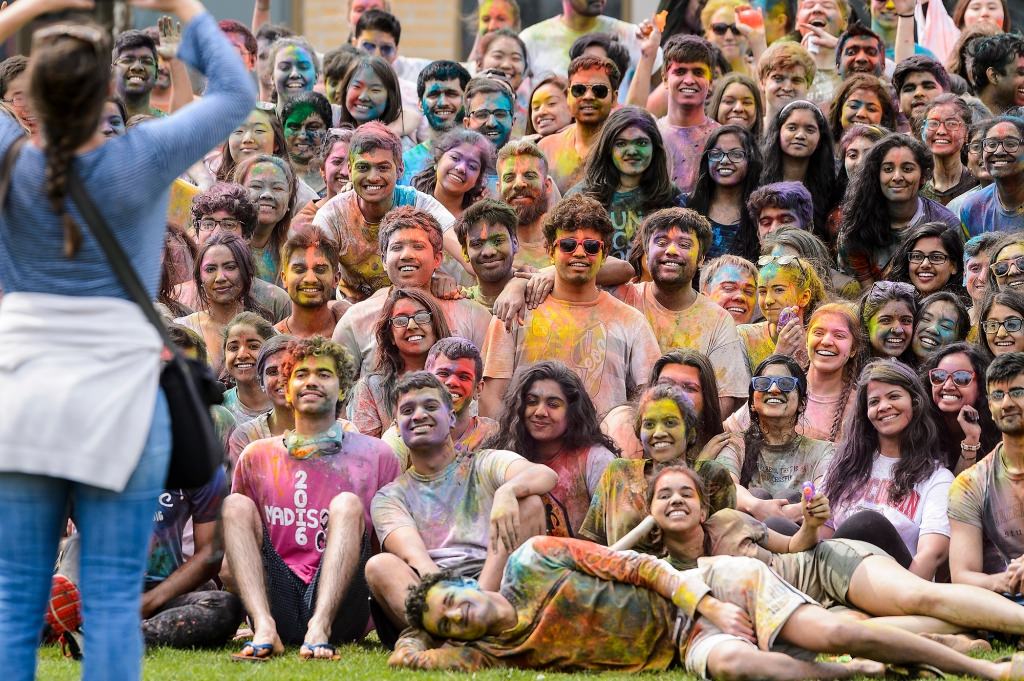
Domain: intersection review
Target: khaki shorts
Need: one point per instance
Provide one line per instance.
(824, 573)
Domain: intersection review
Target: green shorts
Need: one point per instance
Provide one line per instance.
(824, 573)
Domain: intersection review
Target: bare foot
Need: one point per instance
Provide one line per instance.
(961, 643)
(861, 667)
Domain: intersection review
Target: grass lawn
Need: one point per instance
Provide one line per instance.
(359, 663)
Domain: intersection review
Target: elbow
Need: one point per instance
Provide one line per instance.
(546, 478)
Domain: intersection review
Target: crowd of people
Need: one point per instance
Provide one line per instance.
(689, 343)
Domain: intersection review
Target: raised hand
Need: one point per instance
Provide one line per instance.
(170, 37)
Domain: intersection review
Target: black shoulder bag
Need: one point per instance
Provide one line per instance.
(189, 385)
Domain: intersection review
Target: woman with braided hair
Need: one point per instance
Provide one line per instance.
(82, 417)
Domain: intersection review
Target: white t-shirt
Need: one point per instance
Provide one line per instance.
(923, 511)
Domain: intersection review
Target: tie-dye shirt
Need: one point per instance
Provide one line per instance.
(782, 469)
(704, 327)
(451, 510)
(619, 504)
(578, 606)
(684, 145)
(356, 330)
(986, 496)
(293, 495)
(258, 429)
(362, 270)
(548, 42)
(579, 473)
(565, 165)
(175, 508)
(757, 343)
(415, 160)
(480, 428)
(607, 343)
(983, 212)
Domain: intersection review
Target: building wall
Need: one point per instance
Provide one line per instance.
(430, 28)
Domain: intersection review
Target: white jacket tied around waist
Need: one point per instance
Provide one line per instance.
(78, 382)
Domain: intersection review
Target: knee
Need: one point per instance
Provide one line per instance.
(381, 571)
(739, 664)
(532, 516)
(841, 633)
(924, 597)
(347, 508)
(238, 508)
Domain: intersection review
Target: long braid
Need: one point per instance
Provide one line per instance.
(59, 156)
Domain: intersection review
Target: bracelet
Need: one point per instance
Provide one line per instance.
(970, 448)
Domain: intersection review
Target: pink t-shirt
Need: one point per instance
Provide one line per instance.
(685, 144)
(293, 495)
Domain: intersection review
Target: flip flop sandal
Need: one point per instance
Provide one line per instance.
(312, 648)
(255, 656)
(917, 670)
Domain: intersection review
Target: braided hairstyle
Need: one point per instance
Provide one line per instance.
(69, 79)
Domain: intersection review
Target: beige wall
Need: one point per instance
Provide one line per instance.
(430, 28)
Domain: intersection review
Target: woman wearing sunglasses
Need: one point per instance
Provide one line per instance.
(740, 44)
(730, 169)
(409, 324)
(930, 259)
(942, 319)
(887, 313)
(775, 459)
(1001, 325)
(1006, 263)
(956, 375)
(784, 283)
(887, 483)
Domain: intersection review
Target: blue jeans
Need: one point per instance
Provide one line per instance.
(115, 532)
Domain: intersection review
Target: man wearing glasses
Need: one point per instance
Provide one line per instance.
(986, 502)
(609, 344)
(490, 106)
(593, 89)
(998, 207)
(14, 90)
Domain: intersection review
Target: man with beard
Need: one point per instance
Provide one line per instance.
(999, 206)
(593, 90)
(675, 241)
(918, 80)
(309, 272)
(135, 72)
(986, 503)
(607, 343)
(860, 50)
(487, 233)
(686, 128)
(297, 524)
(440, 88)
(998, 71)
(549, 41)
(447, 511)
(524, 184)
(490, 109)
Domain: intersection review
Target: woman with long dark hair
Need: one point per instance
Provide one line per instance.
(549, 109)
(409, 324)
(627, 172)
(549, 418)
(457, 178)
(887, 484)
(260, 133)
(862, 98)
(942, 319)
(370, 92)
(73, 313)
(775, 459)
(956, 376)
(882, 202)
(930, 258)
(887, 312)
(272, 187)
(1001, 324)
(730, 170)
(943, 126)
(736, 100)
(798, 147)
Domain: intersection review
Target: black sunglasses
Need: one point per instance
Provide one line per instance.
(590, 246)
(721, 29)
(600, 90)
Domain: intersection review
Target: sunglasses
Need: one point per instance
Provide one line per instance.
(590, 246)
(763, 384)
(422, 318)
(1011, 324)
(961, 377)
(600, 91)
(721, 29)
(1002, 267)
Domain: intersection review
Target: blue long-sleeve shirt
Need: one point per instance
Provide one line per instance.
(128, 177)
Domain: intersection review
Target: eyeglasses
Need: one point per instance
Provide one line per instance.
(590, 246)
(210, 224)
(734, 155)
(763, 384)
(961, 377)
(422, 318)
(934, 257)
(483, 115)
(16, 100)
(998, 395)
(974, 147)
(600, 90)
(1001, 268)
(720, 29)
(130, 61)
(1009, 144)
(952, 124)
(1011, 324)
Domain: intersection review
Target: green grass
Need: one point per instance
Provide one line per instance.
(364, 662)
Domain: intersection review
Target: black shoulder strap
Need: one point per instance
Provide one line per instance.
(8, 167)
(117, 258)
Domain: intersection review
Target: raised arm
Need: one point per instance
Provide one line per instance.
(17, 15)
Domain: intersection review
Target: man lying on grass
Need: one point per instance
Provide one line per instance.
(568, 604)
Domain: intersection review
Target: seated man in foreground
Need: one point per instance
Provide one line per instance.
(570, 604)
